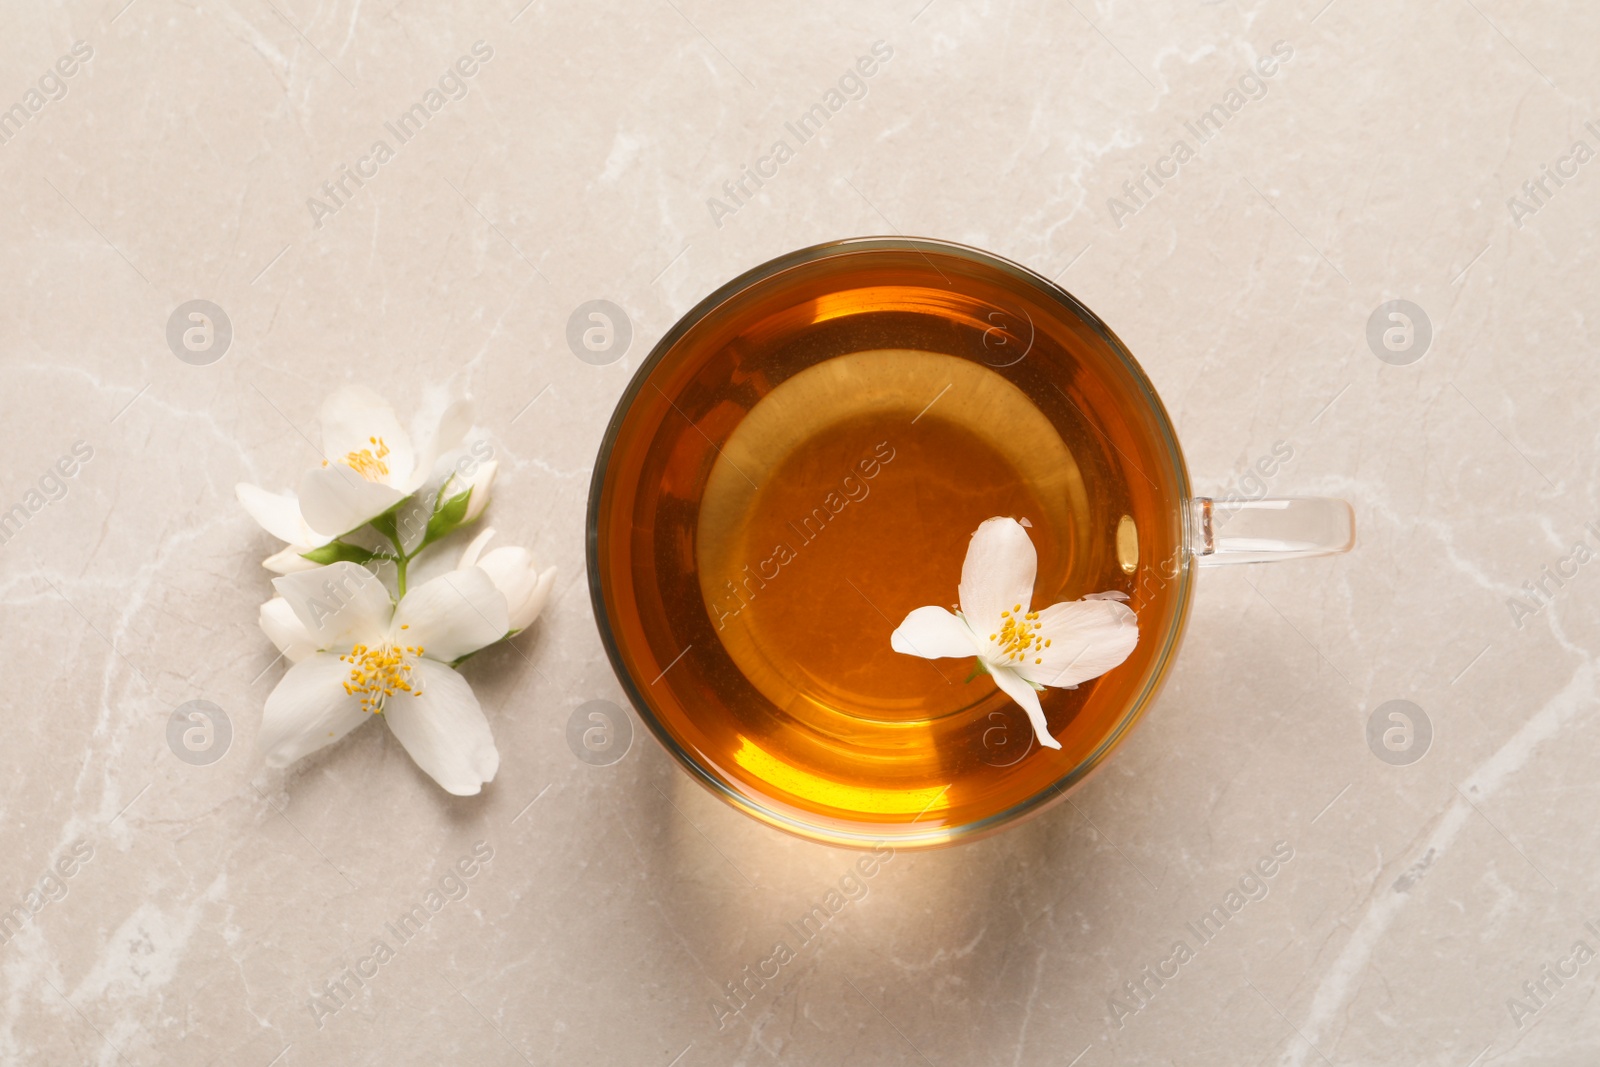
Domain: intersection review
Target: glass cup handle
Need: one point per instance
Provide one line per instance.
(1255, 531)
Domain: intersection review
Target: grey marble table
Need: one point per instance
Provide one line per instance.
(1433, 910)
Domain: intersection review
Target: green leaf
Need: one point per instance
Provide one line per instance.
(446, 518)
(337, 552)
(385, 524)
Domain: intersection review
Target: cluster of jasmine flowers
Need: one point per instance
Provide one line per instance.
(372, 610)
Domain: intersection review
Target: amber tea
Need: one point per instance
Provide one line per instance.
(803, 461)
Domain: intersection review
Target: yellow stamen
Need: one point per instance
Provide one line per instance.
(1019, 636)
(378, 673)
(368, 462)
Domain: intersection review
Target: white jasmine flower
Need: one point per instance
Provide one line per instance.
(516, 574)
(357, 655)
(371, 466)
(1023, 650)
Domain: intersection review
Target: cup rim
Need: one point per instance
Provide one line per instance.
(934, 836)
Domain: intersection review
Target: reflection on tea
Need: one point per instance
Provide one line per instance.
(853, 487)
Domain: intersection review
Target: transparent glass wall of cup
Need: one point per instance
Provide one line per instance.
(799, 311)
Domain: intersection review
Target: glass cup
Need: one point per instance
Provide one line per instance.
(771, 683)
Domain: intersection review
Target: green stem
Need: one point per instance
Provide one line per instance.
(385, 525)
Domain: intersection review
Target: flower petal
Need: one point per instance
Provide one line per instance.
(479, 483)
(339, 605)
(1087, 638)
(335, 499)
(533, 607)
(470, 554)
(352, 417)
(1024, 694)
(308, 710)
(454, 614)
(284, 628)
(933, 633)
(278, 513)
(444, 730)
(998, 573)
(443, 435)
(516, 574)
(288, 560)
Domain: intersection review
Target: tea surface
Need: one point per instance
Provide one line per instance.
(843, 500)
